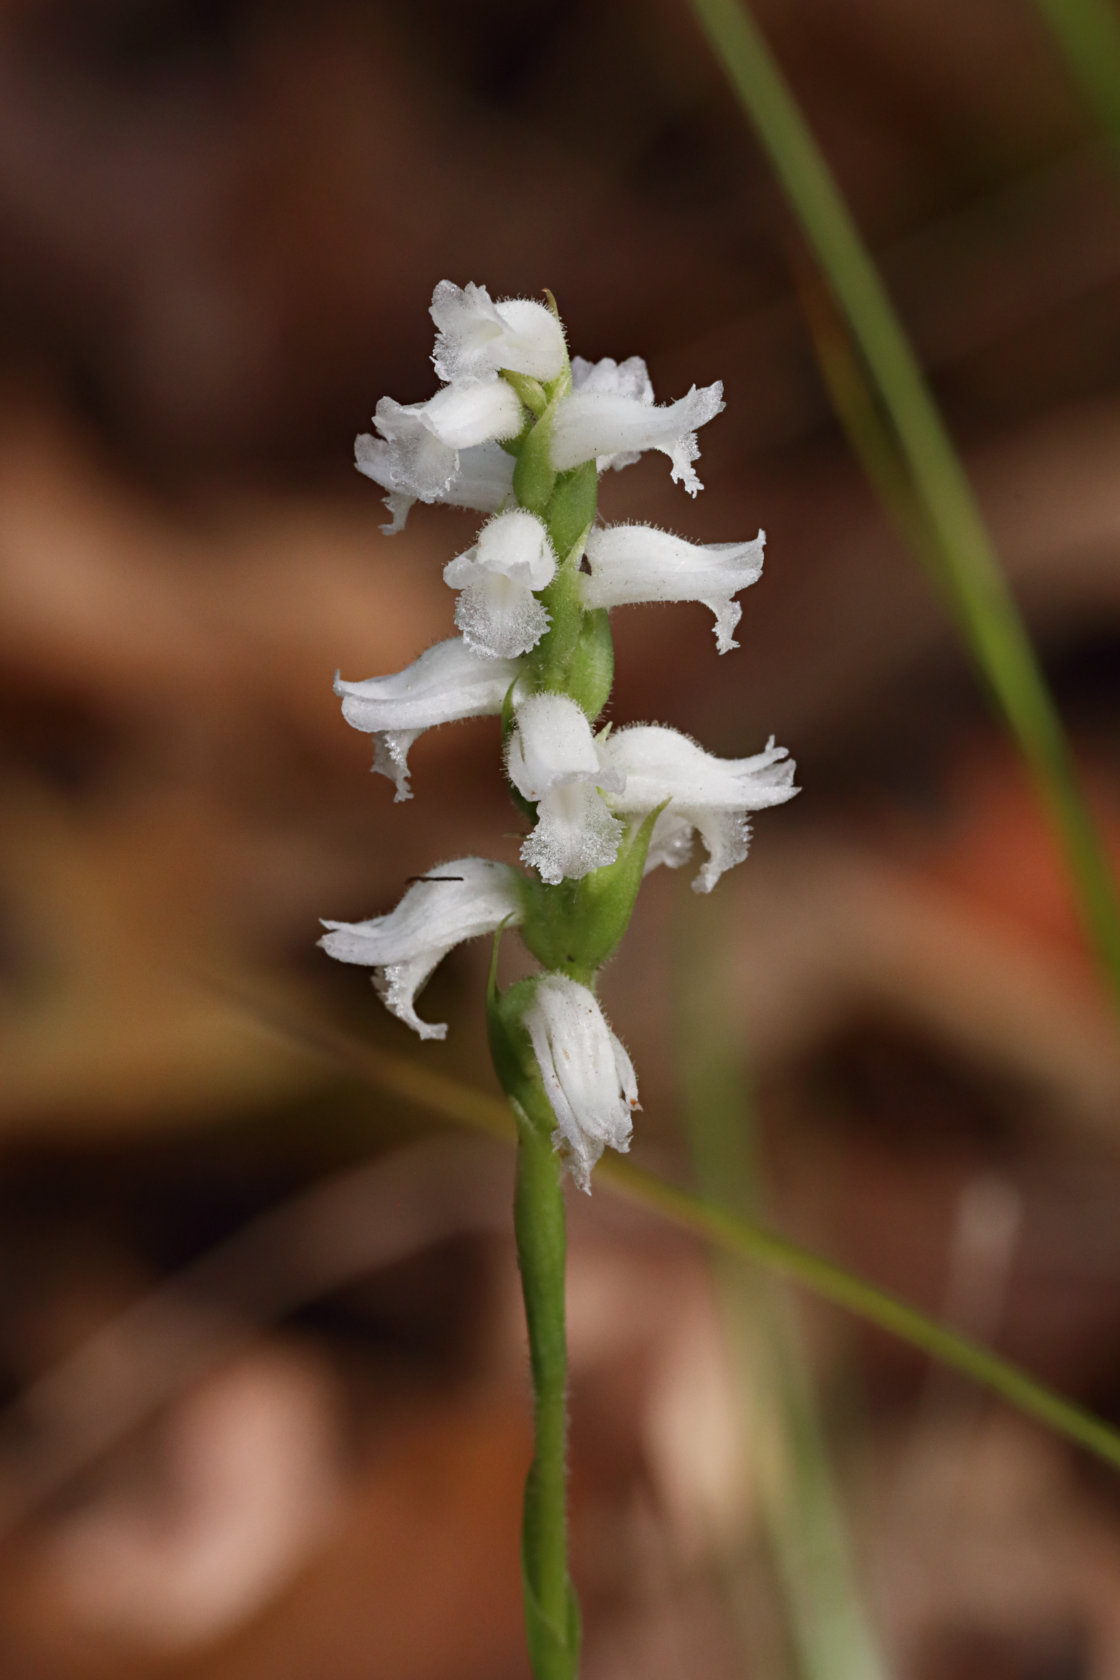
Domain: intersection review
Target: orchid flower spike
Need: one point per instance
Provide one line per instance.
(457, 901)
(707, 794)
(554, 764)
(610, 418)
(635, 563)
(498, 612)
(447, 683)
(477, 337)
(587, 1075)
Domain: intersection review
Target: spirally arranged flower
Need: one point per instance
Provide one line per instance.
(521, 433)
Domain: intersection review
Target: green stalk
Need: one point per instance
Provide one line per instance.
(1088, 33)
(984, 605)
(538, 1220)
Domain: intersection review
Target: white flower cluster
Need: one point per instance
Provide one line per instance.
(589, 789)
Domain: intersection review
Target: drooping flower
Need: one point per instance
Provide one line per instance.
(635, 563)
(610, 417)
(707, 794)
(457, 901)
(588, 1077)
(419, 456)
(447, 683)
(554, 763)
(477, 337)
(497, 612)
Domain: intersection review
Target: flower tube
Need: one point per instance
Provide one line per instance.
(637, 563)
(587, 1075)
(707, 794)
(554, 764)
(447, 683)
(419, 455)
(457, 901)
(498, 613)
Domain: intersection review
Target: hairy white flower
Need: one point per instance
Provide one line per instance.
(482, 481)
(447, 683)
(419, 455)
(477, 337)
(554, 763)
(633, 563)
(709, 795)
(588, 1077)
(610, 417)
(457, 901)
(497, 611)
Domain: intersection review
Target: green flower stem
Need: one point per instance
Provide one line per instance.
(464, 1105)
(538, 1216)
(978, 590)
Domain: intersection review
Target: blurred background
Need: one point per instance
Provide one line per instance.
(260, 1342)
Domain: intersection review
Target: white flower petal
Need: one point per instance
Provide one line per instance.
(554, 762)
(587, 1075)
(448, 682)
(457, 901)
(498, 612)
(574, 834)
(713, 795)
(477, 337)
(602, 425)
(419, 456)
(635, 563)
(482, 481)
(617, 379)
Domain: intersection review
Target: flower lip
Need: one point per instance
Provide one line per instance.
(613, 428)
(454, 902)
(639, 563)
(448, 682)
(587, 1075)
(707, 794)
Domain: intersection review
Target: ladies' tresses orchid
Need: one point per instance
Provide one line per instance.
(606, 420)
(587, 1075)
(637, 563)
(517, 432)
(707, 794)
(498, 612)
(457, 901)
(477, 337)
(447, 683)
(554, 764)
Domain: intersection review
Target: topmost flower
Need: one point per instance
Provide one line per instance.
(477, 337)
(451, 447)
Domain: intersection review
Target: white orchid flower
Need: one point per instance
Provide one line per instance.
(447, 683)
(482, 481)
(477, 337)
(635, 563)
(610, 417)
(457, 901)
(497, 612)
(588, 1077)
(707, 794)
(419, 456)
(555, 764)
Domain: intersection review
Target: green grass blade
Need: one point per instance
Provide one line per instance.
(1088, 33)
(971, 572)
(800, 1506)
